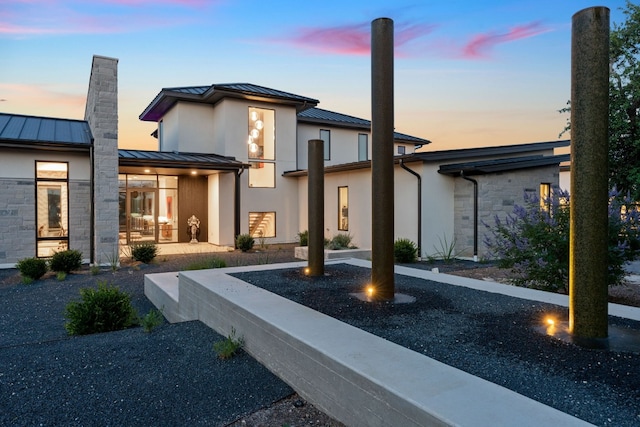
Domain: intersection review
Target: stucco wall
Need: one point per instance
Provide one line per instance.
(497, 194)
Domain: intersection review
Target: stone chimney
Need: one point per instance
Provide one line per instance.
(102, 114)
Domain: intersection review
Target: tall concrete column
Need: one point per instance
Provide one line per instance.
(588, 290)
(316, 207)
(382, 217)
(102, 114)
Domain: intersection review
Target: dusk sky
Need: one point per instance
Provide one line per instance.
(467, 73)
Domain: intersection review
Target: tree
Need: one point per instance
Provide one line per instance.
(624, 104)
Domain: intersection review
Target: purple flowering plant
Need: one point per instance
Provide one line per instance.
(533, 241)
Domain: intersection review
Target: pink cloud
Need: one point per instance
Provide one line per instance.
(481, 44)
(354, 39)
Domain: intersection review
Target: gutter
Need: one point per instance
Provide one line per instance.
(236, 219)
(475, 214)
(419, 178)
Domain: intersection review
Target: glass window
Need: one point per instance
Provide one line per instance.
(160, 136)
(262, 224)
(52, 207)
(262, 175)
(343, 208)
(325, 135)
(401, 149)
(545, 196)
(363, 147)
(262, 134)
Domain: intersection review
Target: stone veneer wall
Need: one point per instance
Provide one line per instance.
(102, 114)
(497, 193)
(17, 219)
(80, 217)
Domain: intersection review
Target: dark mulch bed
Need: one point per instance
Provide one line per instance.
(491, 336)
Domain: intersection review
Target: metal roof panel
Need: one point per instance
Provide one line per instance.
(32, 129)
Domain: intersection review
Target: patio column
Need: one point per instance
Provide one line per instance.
(588, 289)
(316, 207)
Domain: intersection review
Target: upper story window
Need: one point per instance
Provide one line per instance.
(363, 147)
(402, 149)
(325, 135)
(262, 134)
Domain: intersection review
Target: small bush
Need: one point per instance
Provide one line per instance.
(32, 268)
(228, 347)
(103, 309)
(61, 275)
(66, 261)
(144, 251)
(94, 270)
(152, 320)
(206, 263)
(341, 241)
(303, 237)
(244, 242)
(404, 251)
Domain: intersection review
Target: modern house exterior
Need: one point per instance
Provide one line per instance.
(234, 156)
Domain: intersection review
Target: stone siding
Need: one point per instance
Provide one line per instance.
(80, 217)
(497, 194)
(17, 220)
(102, 114)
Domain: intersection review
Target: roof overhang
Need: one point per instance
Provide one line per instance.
(44, 146)
(501, 165)
(172, 163)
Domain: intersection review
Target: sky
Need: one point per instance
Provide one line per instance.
(468, 73)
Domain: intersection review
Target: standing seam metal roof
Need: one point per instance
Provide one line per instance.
(32, 129)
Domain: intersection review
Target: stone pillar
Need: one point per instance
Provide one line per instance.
(588, 290)
(102, 114)
(382, 216)
(316, 207)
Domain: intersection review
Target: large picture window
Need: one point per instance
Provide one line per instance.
(52, 207)
(343, 208)
(261, 141)
(262, 224)
(262, 175)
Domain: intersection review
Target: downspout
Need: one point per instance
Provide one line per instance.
(92, 257)
(419, 178)
(475, 214)
(236, 221)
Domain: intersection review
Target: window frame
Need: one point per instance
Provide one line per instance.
(251, 128)
(275, 223)
(343, 200)
(43, 182)
(251, 167)
(360, 147)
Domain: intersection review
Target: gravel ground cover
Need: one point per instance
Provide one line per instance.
(169, 377)
(488, 335)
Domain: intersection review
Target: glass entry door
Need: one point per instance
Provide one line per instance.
(141, 215)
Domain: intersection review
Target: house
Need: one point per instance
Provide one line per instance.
(234, 156)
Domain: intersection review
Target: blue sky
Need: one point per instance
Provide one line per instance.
(467, 73)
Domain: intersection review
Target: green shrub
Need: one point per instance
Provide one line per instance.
(534, 242)
(32, 268)
(244, 242)
(103, 309)
(303, 237)
(341, 241)
(206, 263)
(404, 250)
(228, 347)
(151, 320)
(66, 261)
(61, 275)
(144, 251)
